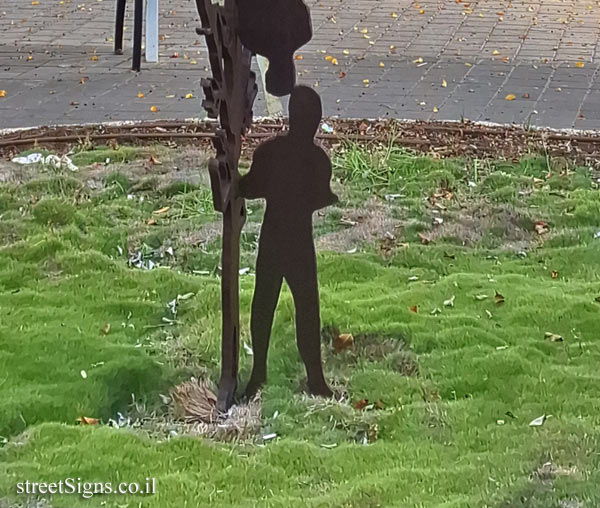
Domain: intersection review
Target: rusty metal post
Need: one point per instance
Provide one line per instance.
(229, 96)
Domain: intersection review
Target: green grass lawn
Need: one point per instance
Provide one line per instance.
(471, 288)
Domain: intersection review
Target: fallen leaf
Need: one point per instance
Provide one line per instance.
(422, 11)
(298, 57)
(425, 240)
(2, 93)
(580, 64)
(435, 110)
(554, 274)
(94, 58)
(444, 83)
(140, 95)
(418, 60)
(105, 329)
(343, 341)
(328, 58)
(360, 404)
(154, 160)
(498, 298)
(346, 52)
(366, 82)
(525, 95)
(342, 75)
(86, 420)
(189, 96)
(153, 109)
(541, 227)
(495, 52)
(334, 61)
(83, 374)
(394, 14)
(381, 64)
(414, 309)
(510, 97)
(161, 210)
(480, 298)
(553, 337)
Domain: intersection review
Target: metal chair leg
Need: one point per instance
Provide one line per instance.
(119, 22)
(138, 21)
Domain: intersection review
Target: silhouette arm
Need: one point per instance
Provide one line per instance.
(324, 197)
(253, 184)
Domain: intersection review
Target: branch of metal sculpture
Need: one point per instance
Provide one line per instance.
(229, 96)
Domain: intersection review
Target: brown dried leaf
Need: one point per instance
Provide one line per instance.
(343, 341)
(498, 298)
(360, 404)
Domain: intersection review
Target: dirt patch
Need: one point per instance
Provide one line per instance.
(367, 224)
(480, 220)
(393, 352)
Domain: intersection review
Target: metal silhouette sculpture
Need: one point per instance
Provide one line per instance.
(290, 171)
(229, 96)
(275, 29)
(293, 174)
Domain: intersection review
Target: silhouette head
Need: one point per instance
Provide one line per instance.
(305, 112)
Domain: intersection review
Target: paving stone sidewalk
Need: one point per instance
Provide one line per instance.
(529, 62)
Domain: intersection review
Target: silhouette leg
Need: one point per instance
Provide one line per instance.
(302, 280)
(266, 294)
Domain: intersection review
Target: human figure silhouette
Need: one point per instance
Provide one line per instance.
(293, 174)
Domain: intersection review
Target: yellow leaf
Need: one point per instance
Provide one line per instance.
(510, 97)
(189, 96)
(161, 210)
(346, 52)
(444, 84)
(94, 58)
(467, 64)
(140, 95)
(579, 64)
(435, 110)
(153, 109)
(86, 420)
(328, 58)
(418, 60)
(381, 64)
(364, 31)
(30, 57)
(366, 82)
(422, 11)
(2, 93)
(495, 52)
(394, 14)
(35, 2)
(334, 61)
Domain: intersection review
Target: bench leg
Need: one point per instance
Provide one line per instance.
(119, 21)
(151, 30)
(138, 21)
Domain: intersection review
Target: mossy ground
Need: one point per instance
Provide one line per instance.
(417, 252)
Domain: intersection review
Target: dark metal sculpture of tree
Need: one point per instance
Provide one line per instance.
(229, 96)
(291, 172)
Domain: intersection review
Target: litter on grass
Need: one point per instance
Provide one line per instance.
(54, 161)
